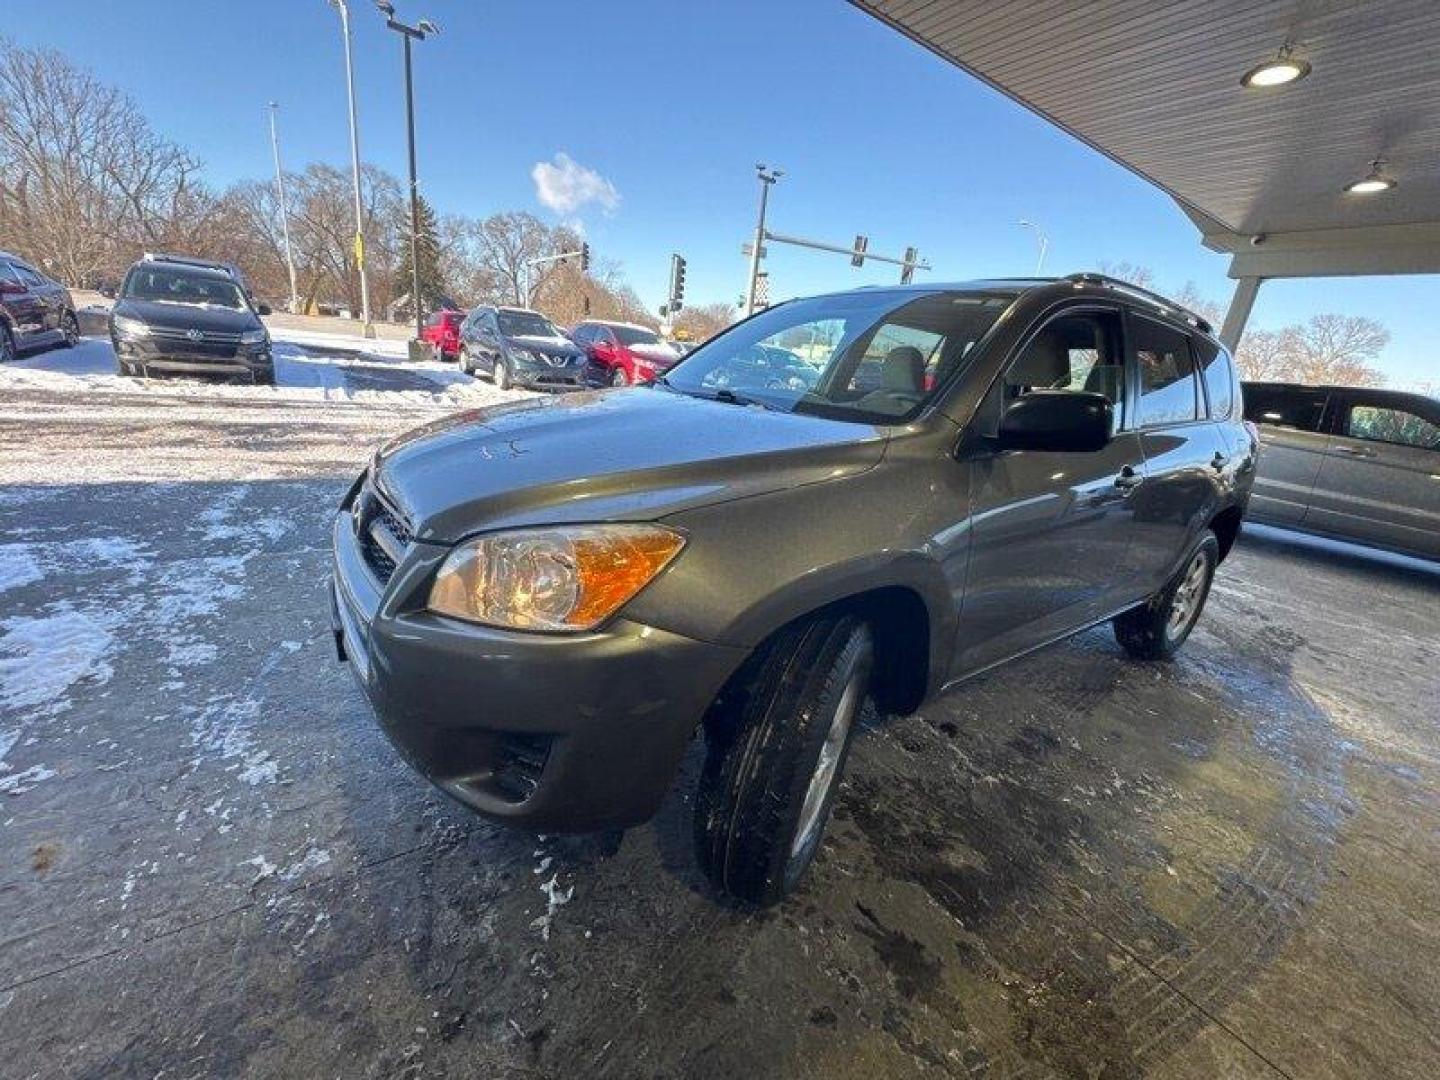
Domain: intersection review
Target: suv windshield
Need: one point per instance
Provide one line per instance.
(635, 335)
(168, 285)
(869, 357)
(526, 324)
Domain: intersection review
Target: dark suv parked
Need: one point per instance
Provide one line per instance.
(1351, 463)
(544, 600)
(34, 310)
(176, 314)
(519, 347)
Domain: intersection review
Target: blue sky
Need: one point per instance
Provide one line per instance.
(672, 105)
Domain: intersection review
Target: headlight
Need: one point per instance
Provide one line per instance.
(254, 337)
(563, 579)
(132, 327)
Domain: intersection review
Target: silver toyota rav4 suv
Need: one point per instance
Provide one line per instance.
(545, 600)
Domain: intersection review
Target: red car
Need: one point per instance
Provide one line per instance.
(442, 330)
(623, 353)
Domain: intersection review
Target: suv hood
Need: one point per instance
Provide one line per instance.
(634, 455)
(553, 346)
(188, 316)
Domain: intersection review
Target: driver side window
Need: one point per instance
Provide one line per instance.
(1079, 352)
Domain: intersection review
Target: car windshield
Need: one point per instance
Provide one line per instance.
(171, 286)
(868, 357)
(635, 335)
(526, 324)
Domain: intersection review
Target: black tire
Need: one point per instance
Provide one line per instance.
(8, 351)
(462, 359)
(70, 329)
(758, 823)
(502, 374)
(618, 377)
(1157, 628)
(264, 376)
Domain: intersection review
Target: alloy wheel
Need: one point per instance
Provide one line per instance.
(1185, 604)
(826, 768)
(71, 330)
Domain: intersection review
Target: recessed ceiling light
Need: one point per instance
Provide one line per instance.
(1374, 183)
(1282, 69)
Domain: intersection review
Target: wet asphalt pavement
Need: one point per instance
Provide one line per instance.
(212, 863)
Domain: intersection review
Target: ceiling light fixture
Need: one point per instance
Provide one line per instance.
(1374, 183)
(1282, 69)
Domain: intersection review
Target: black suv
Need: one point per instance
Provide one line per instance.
(547, 599)
(520, 347)
(34, 310)
(176, 314)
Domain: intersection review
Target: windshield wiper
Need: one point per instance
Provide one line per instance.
(730, 397)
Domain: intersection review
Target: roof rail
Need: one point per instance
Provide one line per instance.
(1089, 277)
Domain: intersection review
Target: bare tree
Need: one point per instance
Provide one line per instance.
(701, 323)
(85, 182)
(323, 233)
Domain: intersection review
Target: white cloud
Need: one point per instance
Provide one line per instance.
(565, 186)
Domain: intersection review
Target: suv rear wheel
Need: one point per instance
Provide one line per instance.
(618, 377)
(70, 329)
(1157, 628)
(778, 740)
(7, 345)
(502, 374)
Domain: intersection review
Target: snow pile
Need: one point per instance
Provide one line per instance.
(17, 568)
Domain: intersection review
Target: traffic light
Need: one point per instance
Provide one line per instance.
(857, 257)
(677, 282)
(907, 273)
(585, 258)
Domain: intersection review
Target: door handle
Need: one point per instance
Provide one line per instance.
(1128, 479)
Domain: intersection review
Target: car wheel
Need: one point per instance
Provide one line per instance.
(1157, 628)
(7, 346)
(70, 329)
(502, 374)
(264, 376)
(619, 378)
(127, 369)
(462, 358)
(778, 738)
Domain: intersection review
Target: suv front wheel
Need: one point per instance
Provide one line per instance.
(1157, 628)
(778, 738)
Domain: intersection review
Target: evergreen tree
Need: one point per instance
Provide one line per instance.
(432, 286)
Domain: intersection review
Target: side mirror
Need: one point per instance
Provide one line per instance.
(1057, 421)
(263, 309)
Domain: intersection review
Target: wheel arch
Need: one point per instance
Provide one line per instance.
(1226, 527)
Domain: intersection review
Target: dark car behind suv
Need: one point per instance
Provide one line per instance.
(520, 347)
(187, 315)
(545, 600)
(1350, 463)
(34, 310)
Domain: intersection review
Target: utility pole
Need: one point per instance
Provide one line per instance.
(1041, 240)
(408, 33)
(284, 212)
(368, 326)
(766, 177)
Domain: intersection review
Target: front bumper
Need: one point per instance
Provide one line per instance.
(564, 733)
(548, 377)
(166, 355)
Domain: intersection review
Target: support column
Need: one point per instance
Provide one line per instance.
(1238, 313)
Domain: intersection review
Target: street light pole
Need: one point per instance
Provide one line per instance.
(368, 326)
(418, 33)
(1041, 240)
(766, 177)
(284, 212)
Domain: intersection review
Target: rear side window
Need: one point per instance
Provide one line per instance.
(1388, 424)
(1217, 372)
(1168, 387)
(1284, 406)
(7, 273)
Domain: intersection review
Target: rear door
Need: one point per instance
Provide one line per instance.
(1293, 441)
(26, 306)
(1379, 482)
(1185, 454)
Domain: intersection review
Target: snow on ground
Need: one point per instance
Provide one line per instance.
(40, 658)
(309, 368)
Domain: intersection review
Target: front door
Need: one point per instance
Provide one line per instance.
(1293, 441)
(1380, 479)
(1050, 532)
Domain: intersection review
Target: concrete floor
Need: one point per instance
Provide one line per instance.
(211, 862)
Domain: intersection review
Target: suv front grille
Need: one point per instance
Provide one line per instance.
(383, 534)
